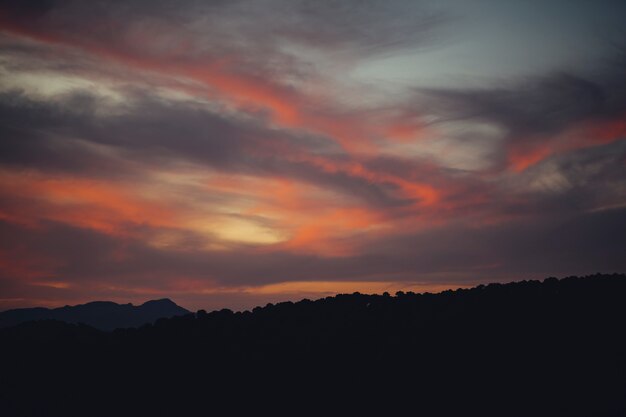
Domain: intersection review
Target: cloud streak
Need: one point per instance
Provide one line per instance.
(227, 153)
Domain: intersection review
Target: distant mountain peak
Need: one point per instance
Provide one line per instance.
(162, 301)
(104, 315)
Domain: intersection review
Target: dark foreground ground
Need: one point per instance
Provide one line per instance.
(552, 348)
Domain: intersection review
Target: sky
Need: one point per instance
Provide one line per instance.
(227, 154)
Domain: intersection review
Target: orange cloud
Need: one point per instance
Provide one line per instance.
(326, 232)
(20, 263)
(326, 221)
(107, 207)
(425, 194)
(520, 159)
(325, 288)
(608, 131)
(311, 218)
(582, 135)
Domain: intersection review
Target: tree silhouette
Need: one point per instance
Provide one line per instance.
(551, 348)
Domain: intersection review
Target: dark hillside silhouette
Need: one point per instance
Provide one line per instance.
(551, 348)
(103, 315)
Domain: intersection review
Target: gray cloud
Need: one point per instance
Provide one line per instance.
(60, 134)
(533, 111)
(543, 106)
(253, 30)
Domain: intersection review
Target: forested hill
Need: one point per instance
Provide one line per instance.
(551, 348)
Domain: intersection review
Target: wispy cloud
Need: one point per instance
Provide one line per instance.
(224, 152)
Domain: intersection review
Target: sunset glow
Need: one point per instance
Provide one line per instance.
(229, 161)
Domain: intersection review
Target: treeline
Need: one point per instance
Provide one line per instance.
(551, 348)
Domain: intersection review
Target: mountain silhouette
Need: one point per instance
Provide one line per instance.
(103, 315)
(531, 348)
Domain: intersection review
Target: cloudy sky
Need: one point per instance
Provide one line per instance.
(238, 152)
